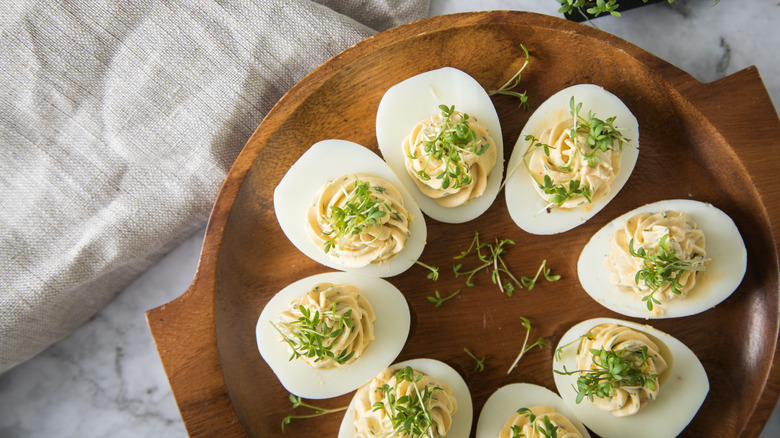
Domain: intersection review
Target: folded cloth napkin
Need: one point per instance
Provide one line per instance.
(119, 121)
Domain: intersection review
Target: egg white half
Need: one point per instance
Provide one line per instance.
(684, 386)
(461, 420)
(391, 328)
(503, 403)
(418, 98)
(723, 243)
(525, 206)
(327, 160)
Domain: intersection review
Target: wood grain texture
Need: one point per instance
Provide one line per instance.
(711, 142)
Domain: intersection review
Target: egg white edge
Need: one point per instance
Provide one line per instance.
(723, 276)
(336, 158)
(503, 403)
(532, 216)
(391, 329)
(687, 379)
(461, 420)
(397, 115)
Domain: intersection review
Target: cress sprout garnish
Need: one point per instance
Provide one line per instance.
(438, 300)
(446, 142)
(480, 362)
(600, 135)
(548, 430)
(296, 402)
(525, 322)
(434, 274)
(360, 210)
(530, 282)
(492, 259)
(613, 369)
(663, 267)
(559, 351)
(409, 414)
(313, 335)
(506, 89)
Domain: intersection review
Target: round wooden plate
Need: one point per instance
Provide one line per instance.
(715, 142)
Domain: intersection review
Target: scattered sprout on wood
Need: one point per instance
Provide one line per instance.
(529, 283)
(490, 256)
(663, 267)
(438, 300)
(297, 402)
(480, 362)
(506, 89)
(410, 415)
(525, 322)
(613, 369)
(313, 335)
(434, 274)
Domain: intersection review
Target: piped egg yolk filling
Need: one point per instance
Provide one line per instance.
(657, 256)
(450, 157)
(380, 403)
(609, 344)
(359, 219)
(329, 326)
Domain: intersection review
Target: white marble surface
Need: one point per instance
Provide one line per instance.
(106, 378)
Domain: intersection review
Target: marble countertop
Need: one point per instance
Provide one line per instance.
(106, 379)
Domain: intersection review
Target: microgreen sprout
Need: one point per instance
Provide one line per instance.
(663, 267)
(599, 135)
(360, 210)
(438, 300)
(560, 192)
(494, 260)
(525, 322)
(297, 402)
(529, 283)
(410, 415)
(446, 143)
(506, 89)
(559, 351)
(313, 335)
(500, 274)
(548, 430)
(480, 362)
(613, 369)
(563, 192)
(434, 274)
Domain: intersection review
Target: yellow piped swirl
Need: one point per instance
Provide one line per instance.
(628, 343)
(371, 422)
(371, 243)
(521, 425)
(647, 229)
(477, 167)
(566, 163)
(332, 301)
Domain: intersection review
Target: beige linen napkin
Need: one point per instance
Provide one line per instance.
(118, 123)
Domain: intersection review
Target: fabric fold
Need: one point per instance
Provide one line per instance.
(120, 120)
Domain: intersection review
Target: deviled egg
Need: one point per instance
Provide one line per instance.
(444, 394)
(573, 156)
(667, 259)
(440, 134)
(343, 207)
(500, 412)
(642, 404)
(373, 338)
